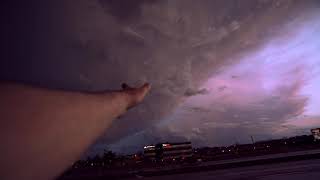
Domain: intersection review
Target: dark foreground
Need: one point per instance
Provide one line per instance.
(305, 169)
(294, 165)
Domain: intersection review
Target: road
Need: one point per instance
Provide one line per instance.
(307, 169)
(264, 157)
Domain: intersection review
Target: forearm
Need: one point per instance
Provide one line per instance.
(42, 126)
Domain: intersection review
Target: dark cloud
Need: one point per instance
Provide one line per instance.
(193, 92)
(125, 10)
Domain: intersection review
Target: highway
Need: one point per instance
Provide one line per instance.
(307, 169)
(264, 157)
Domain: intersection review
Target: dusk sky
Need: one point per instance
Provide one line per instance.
(221, 71)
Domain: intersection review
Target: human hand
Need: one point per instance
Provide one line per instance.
(135, 95)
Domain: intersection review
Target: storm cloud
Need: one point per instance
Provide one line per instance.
(217, 68)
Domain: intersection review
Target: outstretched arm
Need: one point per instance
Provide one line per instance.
(44, 131)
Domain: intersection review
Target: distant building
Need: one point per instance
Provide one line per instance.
(168, 151)
(150, 152)
(316, 133)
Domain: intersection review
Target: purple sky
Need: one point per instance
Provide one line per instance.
(271, 92)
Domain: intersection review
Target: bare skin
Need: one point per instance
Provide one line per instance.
(43, 131)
